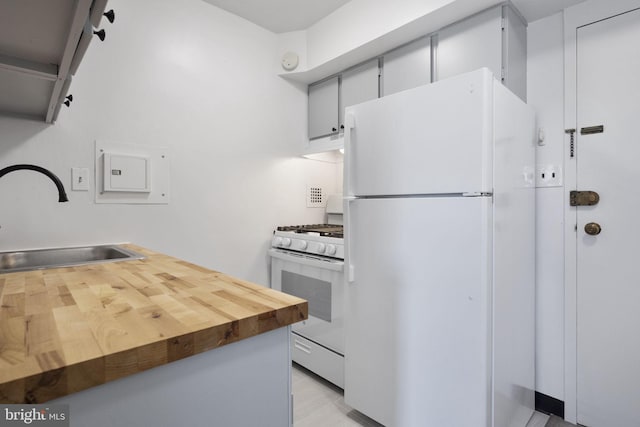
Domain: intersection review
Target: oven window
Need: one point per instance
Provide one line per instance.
(316, 292)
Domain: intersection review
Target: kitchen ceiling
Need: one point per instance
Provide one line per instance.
(281, 16)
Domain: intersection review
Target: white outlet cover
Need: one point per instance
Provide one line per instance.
(549, 176)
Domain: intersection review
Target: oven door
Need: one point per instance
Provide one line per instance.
(320, 282)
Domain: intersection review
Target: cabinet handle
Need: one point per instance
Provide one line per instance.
(342, 127)
(333, 129)
(68, 100)
(110, 15)
(101, 34)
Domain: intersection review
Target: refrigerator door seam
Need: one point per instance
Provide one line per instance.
(476, 194)
(421, 196)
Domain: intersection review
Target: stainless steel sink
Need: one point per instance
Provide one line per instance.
(63, 257)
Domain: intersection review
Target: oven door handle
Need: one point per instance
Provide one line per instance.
(301, 346)
(335, 265)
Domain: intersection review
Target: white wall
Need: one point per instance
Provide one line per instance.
(196, 79)
(363, 29)
(360, 21)
(545, 89)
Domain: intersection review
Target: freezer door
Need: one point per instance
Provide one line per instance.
(417, 347)
(432, 139)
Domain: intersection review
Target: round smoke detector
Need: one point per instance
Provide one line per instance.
(290, 61)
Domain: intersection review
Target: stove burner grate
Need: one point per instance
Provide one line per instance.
(328, 230)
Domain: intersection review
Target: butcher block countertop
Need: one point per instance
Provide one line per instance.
(63, 330)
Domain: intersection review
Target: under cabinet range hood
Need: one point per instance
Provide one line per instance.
(41, 45)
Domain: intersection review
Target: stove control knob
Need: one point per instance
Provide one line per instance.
(331, 249)
(286, 242)
(321, 248)
(302, 244)
(277, 241)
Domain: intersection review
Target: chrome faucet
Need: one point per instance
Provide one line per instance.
(62, 195)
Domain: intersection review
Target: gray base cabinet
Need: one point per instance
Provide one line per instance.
(245, 383)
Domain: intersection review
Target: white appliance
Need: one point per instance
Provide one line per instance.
(307, 261)
(439, 233)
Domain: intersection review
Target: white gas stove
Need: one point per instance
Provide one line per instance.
(307, 261)
(315, 239)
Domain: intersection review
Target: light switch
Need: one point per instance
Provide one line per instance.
(80, 179)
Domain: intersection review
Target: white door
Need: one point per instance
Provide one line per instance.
(417, 342)
(608, 287)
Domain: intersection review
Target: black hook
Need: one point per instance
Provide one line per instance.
(68, 100)
(101, 34)
(110, 15)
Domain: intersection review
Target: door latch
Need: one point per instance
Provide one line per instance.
(583, 198)
(572, 142)
(590, 130)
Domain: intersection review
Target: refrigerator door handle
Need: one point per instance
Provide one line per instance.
(349, 274)
(349, 123)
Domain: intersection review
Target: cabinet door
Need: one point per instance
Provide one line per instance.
(407, 67)
(515, 54)
(471, 44)
(359, 85)
(323, 108)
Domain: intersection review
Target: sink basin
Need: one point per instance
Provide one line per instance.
(63, 257)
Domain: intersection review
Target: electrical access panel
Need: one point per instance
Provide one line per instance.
(126, 173)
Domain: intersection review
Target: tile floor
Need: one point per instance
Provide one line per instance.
(318, 403)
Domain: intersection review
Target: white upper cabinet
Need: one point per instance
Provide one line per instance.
(495, 38)
(407, 67)
(359, 85)
(41, 46)
(329, 98)
(323, 108)
(514, 45)
(471, 44)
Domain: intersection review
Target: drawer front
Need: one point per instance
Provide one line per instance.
(324, 362)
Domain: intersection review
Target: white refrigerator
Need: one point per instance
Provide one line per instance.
(439, 264)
